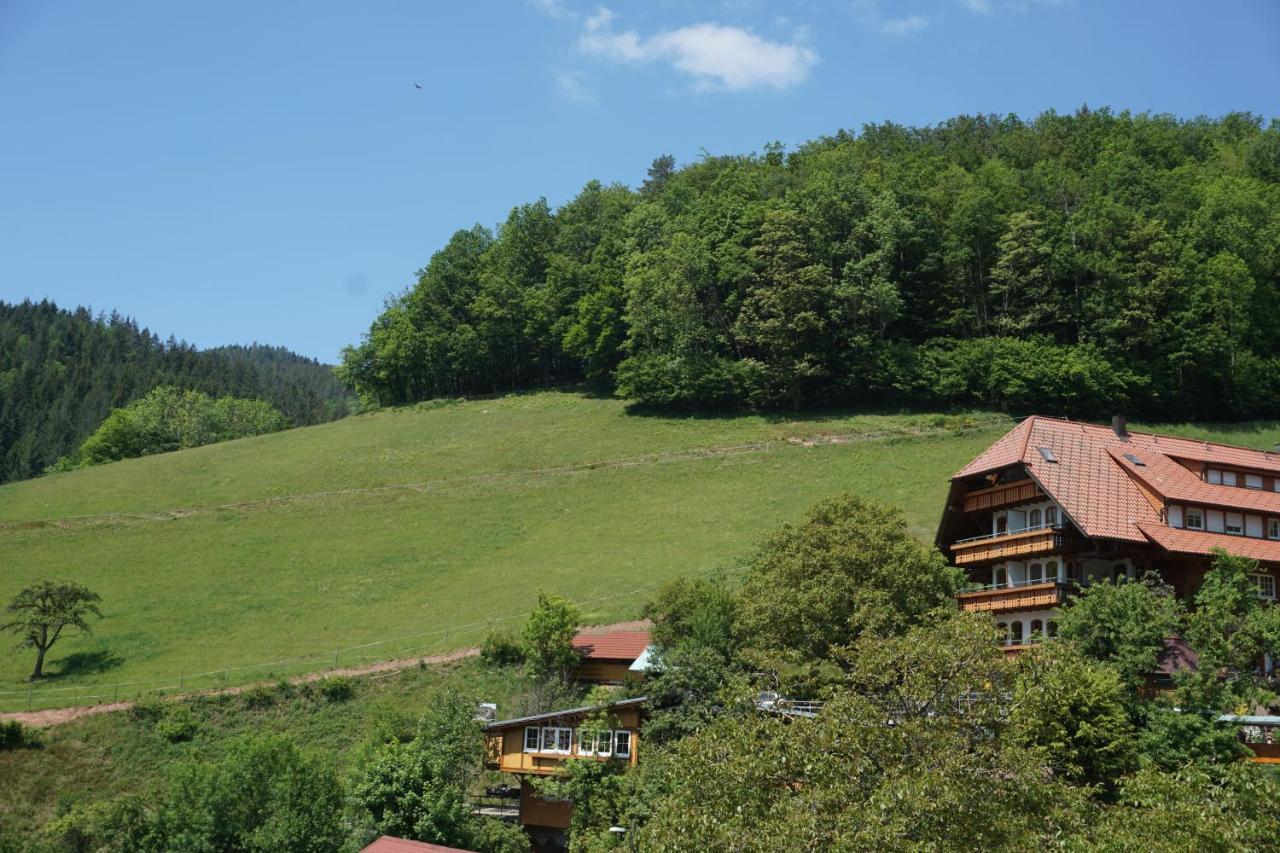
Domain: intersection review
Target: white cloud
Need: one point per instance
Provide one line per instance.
(573, 88)
(982, 7)
(554, 9)
(714, 55)
(903, 26)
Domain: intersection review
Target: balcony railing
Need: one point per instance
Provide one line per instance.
(1019, 595)
(994, 497)
(1044, 539)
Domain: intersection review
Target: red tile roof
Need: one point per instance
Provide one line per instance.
(1175, 483)
(1098, 488)
(1182, 541)
(391, 844)
(614, 645)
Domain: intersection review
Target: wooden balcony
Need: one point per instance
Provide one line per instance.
(1036, 596)
(995, 497)
(1014, 546)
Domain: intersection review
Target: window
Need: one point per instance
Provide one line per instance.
(1266, 586)
(594, 742)
(1051, 571)
(1235, 523)
(1120, 572)
(1135, 460)
(1228, 478)
(1213, 475)
(1002, 524)
(1051, 517)
(1052, 630)
(1015, 632)
(1273, 528)
(622, 744)
(1000, 576)
(1253, 526)
(1047, 454)
(1195, 519)
(1253, 481)
(556, 740)
(1033, 520)
(1037, 629)
(531, 739)
(1035, 573)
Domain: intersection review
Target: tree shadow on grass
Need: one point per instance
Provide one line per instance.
(84, 663)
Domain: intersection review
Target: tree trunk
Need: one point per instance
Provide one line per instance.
(38, 672)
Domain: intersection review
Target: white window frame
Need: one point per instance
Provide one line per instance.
(1266, 586)
(1273, 528)
(537, 739)
(1187, 514)
(551, 740)
(619, 737)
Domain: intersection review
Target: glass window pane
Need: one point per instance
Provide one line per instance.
(622, 743)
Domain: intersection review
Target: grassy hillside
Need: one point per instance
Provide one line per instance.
(98, 758)
(405, 523)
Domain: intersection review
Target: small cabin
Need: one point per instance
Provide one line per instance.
(538, 745)
(608, 658)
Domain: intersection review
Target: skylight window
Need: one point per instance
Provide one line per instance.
(1048, 455)
(1135, 460)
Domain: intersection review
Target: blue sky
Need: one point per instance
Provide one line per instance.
(235, 171)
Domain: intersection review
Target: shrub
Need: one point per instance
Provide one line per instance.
(258, 696)
(148, 709)
(14, 735)
(501, 648)
(178, 724)
(338, 688)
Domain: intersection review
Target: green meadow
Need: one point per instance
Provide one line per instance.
(415, 530)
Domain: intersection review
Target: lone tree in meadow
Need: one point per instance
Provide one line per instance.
(45, 612)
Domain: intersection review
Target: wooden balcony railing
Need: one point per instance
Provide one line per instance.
(1034, 596)
(1021, 543)
(994, 497)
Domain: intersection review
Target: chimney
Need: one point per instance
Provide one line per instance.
(1118, 426)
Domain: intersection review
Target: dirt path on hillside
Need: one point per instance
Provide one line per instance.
(815, 439)
(58, 716)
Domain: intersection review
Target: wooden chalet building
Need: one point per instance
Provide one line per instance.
(609, 657)
(1055, 503)
(539, 745)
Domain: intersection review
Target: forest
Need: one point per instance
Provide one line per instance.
(1070, 264)
(63, 372)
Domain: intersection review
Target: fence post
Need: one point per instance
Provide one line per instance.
(336, 652)
(116, 696)
(180, 679)
(30, 693)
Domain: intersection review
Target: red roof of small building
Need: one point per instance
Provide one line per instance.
(391, 844)
(614, 645)
(1101, 491)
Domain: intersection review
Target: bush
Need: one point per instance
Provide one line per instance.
(148, 709)
(258, 696)
(178, 724)
(337, 688)
(501, 648)
(14, 735)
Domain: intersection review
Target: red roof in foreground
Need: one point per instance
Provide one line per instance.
(1098, 488)
(614, 645)
(391, 844)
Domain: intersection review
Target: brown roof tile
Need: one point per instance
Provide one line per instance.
(1201, 542)
(615, 645)
(1097, 487)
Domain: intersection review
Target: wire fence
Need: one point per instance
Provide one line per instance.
(340, 659)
